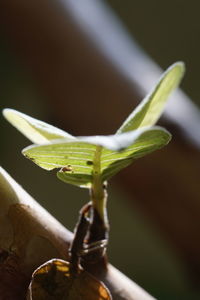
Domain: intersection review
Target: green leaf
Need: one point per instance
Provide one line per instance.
(147, 141)
(37, 131)
(76, 158)
(81, 159)
(149, 110)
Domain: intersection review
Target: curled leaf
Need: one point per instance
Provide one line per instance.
(58, 280)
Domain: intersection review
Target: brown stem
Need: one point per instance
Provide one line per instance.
(80, 233)
(96, 261)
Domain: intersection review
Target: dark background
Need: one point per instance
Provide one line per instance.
(168, 31)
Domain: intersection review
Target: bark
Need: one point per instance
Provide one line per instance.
(29, 236)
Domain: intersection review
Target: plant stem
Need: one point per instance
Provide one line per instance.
(99, 223)
(98, 192)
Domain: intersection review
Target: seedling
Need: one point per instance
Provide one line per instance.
(91, 161)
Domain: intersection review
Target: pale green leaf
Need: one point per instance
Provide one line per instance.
(150, 109)
(75, 158)
(149, 140)
(35, 130)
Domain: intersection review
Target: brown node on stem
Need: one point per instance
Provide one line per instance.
(59, 279)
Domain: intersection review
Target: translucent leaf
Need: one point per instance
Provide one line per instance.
(57, 279)
(37, 131)
(149, 110)
(75, 158)
(147, 141)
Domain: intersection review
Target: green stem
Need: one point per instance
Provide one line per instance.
(98, 192)
(98, 231)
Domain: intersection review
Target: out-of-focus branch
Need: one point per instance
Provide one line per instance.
(29, 236)
(89, 69)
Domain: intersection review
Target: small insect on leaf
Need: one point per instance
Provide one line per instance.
(57, 280)
(67, 169)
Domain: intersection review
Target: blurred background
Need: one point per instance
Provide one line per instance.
(77, 65)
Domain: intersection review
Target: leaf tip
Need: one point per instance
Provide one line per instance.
(6, 112)
(180, 66)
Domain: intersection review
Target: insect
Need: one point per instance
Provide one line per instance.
(67, 168)
(67, 280)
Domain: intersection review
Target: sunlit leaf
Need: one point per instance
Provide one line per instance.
(76, 158)
(149, 140)
(149, 110)
(57, 280)
(37, 131)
